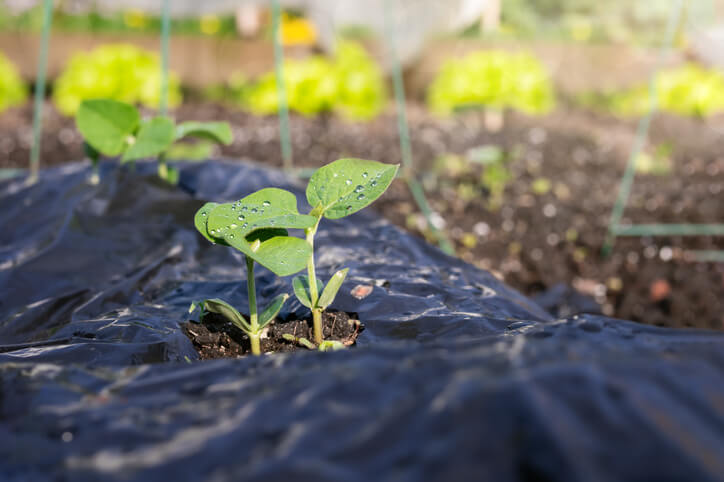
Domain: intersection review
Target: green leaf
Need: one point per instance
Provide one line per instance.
(330, 291)
(155, 136)
(267, 209)
(347, 185)
(107, 124)
(223, 308)
(216, 131)
(282, 255)
(272, 310)
(301, 289)
(200, 220)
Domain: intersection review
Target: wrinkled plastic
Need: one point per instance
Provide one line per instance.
(456, 377)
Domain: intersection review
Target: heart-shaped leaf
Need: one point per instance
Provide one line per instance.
(223, 308)
(330, 291)
(347, 185)
(216, 131)
(107, 124)
(272, 310)
(200, 220)
(282, 255)
(301, 289)
(267, 208)
(154, 137)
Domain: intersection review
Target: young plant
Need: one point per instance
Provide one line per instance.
(113, 128)
(257, 226)
(334, 191)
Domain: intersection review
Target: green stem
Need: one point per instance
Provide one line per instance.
(313, 290)
(162, 167)
(95, 172)
(253, 316)
(255, 344)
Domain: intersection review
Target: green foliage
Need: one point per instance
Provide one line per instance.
(689, 90)
(120, 72)
(350, 84)
(493, 79)
(257, 226)
(347, 185)
(113, 128)
(107, 125)
(334, 191)
(269, 210)
(12, 89)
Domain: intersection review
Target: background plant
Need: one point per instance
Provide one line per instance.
(334, 191)
(257, 226)
(351, 84)
(12, 89)
(689, 90)
(494, 79)
(120, 72)
(114, 128)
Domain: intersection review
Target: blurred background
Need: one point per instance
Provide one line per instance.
(522, 117)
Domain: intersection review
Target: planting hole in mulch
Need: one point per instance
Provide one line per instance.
(218, 338)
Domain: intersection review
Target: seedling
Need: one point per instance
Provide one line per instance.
(334, 191)
(113, 128)
(257, 226)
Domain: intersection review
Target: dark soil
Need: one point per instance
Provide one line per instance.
(534, 239)
(218, 338)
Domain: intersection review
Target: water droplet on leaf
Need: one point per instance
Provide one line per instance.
(266, 203)
(241, 217)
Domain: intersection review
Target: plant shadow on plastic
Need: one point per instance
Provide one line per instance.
(258, 226)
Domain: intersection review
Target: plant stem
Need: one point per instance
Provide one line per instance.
(253, 316)
(95, 177)
(162, 168)
(313, 291)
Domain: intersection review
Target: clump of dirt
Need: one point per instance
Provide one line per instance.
(218, 338)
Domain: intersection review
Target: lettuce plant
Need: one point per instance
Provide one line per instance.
(113, 128)
(334, 191)
(116, 71)
(494, 79)
(351, 84)
(257, 226)
(12, 89)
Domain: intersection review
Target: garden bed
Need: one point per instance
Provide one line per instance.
(455, 375)
(534, 241)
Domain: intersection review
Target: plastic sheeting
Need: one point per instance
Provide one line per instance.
(456, 377)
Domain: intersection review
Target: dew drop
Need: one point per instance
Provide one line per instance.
(233, 226)
(231, 236)
(203, 213)
(373, 183)
(335, 175)
(254, 210)
(233, 207)
(241, 217)
(359, 188)
(360, 197)
(244, 225)
(348, 181)
(364, 174)
(348, 208)
(244, 208)
(212, 232)
(266, 203)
